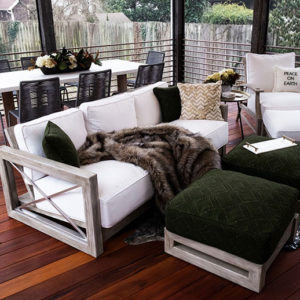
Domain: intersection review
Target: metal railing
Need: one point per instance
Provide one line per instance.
(202, 58)
(128, 51)
(281, 49)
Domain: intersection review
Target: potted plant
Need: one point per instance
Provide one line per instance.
(227, 76)
(66, 61)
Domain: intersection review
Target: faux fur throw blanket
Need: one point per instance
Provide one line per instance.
(173, 156)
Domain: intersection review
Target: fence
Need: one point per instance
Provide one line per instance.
(279, 49)
(207, 47)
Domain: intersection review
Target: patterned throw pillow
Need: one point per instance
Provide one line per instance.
(200, 101)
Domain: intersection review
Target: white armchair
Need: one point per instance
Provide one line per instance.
(270, 110)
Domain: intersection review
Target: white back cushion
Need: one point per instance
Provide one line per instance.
(260, 68)
(113, 113)
(147, 106)
(29, 135)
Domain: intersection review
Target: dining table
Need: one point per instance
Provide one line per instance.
(10, 81)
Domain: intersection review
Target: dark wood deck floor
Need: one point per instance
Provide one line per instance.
(35, 266)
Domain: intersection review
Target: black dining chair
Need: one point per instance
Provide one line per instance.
(4, 66)
(28, 61)
(92, 86)
(148, 74)
(37, 98)
(153, 57)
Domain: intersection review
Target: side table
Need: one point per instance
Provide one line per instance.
(237, 97)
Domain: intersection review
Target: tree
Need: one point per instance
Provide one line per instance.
(194, 10)
(155, 10)
(85, 8)
(285, 23)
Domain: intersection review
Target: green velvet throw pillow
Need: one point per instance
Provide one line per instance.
(169, 101)
(58, 146)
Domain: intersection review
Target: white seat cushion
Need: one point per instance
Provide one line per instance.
(215, 131)
(113, 113)
(29, 135)
(260, 72)
(279, 123)
(122, 188)
(147, 106)
(276, 101)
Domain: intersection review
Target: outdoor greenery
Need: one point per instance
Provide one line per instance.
(156, 10)
(284, 22)
(12, 29)
(228, 14)
(141, 11)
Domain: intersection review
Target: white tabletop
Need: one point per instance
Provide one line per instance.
(10, 81)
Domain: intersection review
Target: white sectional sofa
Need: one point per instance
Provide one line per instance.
(121, 191)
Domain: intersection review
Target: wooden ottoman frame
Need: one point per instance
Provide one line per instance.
(224, 264)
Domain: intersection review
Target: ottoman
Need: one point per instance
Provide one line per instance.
(231, 224)
(281, 166)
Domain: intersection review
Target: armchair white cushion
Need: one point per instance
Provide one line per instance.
(260, 68)
(276, 101)
(282, 122)
(122, 188)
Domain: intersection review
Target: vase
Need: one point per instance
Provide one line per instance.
(55, 70)
(226, 88)
(49, 71)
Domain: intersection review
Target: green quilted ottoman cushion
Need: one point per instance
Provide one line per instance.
(282, 165)
(240, 214)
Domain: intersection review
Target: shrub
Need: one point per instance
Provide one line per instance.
(228, 14)
(284, 23)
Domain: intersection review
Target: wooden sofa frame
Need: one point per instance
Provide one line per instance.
(224, 264)
(94, 235)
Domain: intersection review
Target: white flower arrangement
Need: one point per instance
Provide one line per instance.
(45, 61)
(66, 60)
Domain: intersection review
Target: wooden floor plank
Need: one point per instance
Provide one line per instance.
(283, 287)
(9, 224)
(140, 280)
(295, 296)
(100, 272)
(15, 233)
(35, 262)
(231, 291)
(28, 251)
(23, 241)
(114, 276)
(27, 280)
(171, 284)
(201, 289)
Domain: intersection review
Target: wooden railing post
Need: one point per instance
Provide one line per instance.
(178, 32)
(260, 26)
(46, 25)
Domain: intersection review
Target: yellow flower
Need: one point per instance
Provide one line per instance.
(216, 77)
(225, 76)
(230, 71)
